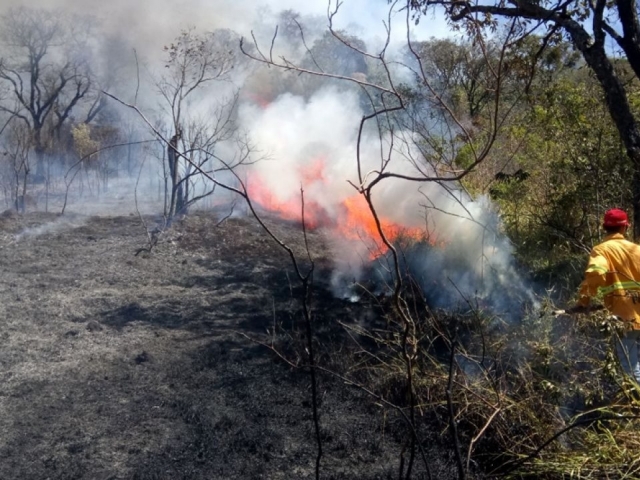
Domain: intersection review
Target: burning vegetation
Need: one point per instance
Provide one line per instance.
(295, 256)
(349, 220)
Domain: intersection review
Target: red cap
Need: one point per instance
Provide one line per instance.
(615, 218)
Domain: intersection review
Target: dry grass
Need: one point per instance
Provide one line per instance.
(541, 399)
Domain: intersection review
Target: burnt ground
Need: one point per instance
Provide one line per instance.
(122, 366)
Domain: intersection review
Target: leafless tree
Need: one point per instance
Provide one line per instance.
(194, 63)
(18, 144)
(44, 74)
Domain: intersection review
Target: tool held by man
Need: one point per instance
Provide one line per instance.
(577, 309)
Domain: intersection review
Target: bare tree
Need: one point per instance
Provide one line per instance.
(44, 77)
(18, 144)
(194, 62)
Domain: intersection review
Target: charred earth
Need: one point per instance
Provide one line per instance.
(122, 366)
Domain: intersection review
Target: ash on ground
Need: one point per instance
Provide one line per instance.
(122, 366)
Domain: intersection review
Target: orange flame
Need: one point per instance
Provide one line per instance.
(315, 215)
(354, 222)
(358, 223)
(258, 100)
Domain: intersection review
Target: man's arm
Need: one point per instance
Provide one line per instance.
(595, 277)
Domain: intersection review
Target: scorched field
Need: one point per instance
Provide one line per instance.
(117, 363)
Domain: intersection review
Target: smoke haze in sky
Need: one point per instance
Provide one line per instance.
(148, 25)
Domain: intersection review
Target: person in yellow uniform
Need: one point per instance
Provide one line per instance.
(613, 271)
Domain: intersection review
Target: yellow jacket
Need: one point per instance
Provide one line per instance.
(614, 271)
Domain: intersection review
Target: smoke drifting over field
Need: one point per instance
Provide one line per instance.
(307, 137)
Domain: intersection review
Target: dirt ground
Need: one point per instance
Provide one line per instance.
(122, 366)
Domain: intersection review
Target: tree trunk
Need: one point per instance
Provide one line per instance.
(636, 198)
(592, 47)
(172, 156)
(39, 150)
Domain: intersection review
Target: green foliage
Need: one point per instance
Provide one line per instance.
(515, 387)
(465, 156)
(460, 71)
(577, 168)
(581, 167)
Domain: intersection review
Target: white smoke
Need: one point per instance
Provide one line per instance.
(471, 260)
(292, 130)
(58, 225)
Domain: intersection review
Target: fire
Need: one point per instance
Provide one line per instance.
(358, 223)
(261, 100)
(354, 220)
(315, 215)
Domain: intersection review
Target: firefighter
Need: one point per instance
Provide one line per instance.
(613, 271)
